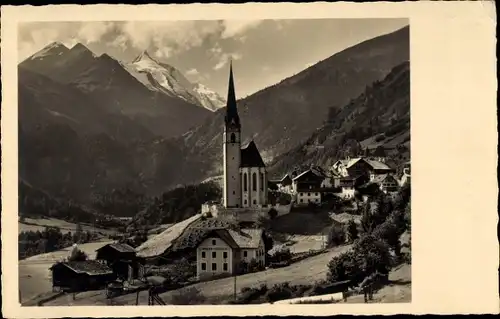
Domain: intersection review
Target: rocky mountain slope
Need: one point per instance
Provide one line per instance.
(105, 81)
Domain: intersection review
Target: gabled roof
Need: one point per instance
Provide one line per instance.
(247, 238)
(225, 235)
(90, 267)
(353, 161)
(377, 165)
(250, 156)
(123, 248)
(309, 171)
(243, 238)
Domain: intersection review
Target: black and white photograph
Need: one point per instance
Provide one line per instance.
(216, 162)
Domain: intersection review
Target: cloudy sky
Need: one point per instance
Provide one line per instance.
(263, 51)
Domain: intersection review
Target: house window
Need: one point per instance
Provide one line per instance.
(214, 254)
(301, 200)
(214, 266)
(308, 194)
(316, 194)
(234, 192)
(245, 201)
(254, 202)
(214, 242)
(224, 254)
(233, 138)
(203, 254)
(245, 253)
(254, 182)
(203, 266)
(245, 182)
(225, 266)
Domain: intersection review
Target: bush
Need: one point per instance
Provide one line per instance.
(380, 138)
(280, 255)
(279, 292)
(273, 213)
(336, 235)
(352, 231)
(190, 296)
(373, 254)
(345, 266)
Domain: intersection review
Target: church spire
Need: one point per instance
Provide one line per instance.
(232, 117)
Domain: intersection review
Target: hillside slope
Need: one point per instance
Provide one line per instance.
(378, 117)
(281, 117)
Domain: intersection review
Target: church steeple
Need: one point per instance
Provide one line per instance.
(232, 118)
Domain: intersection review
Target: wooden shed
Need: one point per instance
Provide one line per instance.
(122, 259)
(81, 275)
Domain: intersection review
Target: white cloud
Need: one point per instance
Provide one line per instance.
(192, 72)
(216, 50)
(225, 58)
(34, 36)
(163, 52)
(237, 27)
(164, 37)
(93, 31)
(177, 36)
(120, 42)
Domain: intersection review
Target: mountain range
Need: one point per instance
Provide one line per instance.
(92, 124)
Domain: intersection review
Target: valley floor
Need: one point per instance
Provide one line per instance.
(218, 291)
(34, 274)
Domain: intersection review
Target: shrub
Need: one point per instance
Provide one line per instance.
(380, 138)
(282, 254)
(279, 292)
(273, 213)
(336, 235)
(254, 266)
(345, 266)
(373, 255)
(352, 231)
(190, 296)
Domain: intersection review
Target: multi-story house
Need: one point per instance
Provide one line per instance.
(223, 251)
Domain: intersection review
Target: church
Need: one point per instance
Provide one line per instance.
(245, 177)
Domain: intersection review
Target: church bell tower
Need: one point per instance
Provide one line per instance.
(232, 149)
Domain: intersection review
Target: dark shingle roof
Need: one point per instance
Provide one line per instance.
(123, 248)
(91, 267)
(250, 156)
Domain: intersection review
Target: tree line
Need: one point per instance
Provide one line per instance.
(51, 239)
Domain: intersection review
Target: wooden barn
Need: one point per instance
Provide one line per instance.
(122, 259)
(81, 275)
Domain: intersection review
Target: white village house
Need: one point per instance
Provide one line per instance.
(224, 250)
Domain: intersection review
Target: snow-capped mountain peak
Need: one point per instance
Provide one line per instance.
(210, 99)
(167, 79)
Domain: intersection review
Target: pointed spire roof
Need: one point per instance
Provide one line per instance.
(232, 117)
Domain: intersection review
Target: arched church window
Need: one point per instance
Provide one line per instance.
(245, 182)
(261, 181)
(233, 138)
(254, 182)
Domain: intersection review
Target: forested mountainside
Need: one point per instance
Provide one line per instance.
(375, 123)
